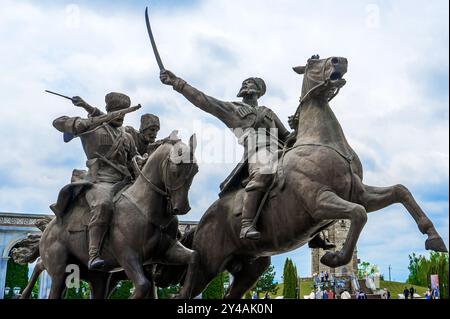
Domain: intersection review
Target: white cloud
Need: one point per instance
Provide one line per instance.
(395, 124)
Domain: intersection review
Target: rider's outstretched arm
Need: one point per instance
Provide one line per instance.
(224, 111)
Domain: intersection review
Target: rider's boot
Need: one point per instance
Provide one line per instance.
(251, 201)
(96, 234)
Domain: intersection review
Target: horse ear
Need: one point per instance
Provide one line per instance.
(193, 143)
(174, 135)
(300, 69)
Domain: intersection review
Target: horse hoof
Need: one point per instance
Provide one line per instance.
(332, 259)
(436, 244)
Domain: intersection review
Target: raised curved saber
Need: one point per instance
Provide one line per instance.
(152, 40)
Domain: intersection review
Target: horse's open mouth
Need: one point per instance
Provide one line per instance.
(336, 79)
(336, 76)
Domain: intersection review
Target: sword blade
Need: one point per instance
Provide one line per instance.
(152, 40)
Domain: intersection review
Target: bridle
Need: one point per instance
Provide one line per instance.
(323, 83)
(168, 189)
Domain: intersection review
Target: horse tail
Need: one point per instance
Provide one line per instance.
(27, 250)
(168, 275)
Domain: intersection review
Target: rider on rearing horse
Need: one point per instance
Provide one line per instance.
(258, 129)
(109, 150)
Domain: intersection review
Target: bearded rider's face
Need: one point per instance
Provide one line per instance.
(248, 88)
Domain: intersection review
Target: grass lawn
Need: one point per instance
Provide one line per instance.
(394, 287)
(397, 288)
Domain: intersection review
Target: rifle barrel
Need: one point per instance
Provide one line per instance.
(54, 93)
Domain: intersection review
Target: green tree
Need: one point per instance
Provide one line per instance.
(122, 290)
(266, 282)
(289, 280)
(35, 291)
(421, 269)
(16, 276)
(215, 288)
(167, 293)
(366, 269)
(83, 292)
(414, 262)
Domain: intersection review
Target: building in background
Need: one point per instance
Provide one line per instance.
(337, 234)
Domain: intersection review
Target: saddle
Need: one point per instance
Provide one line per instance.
(79, 184)
(239, 177)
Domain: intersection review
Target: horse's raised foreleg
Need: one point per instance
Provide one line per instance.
(177, 254)
(376, 198)
(247, 276)
(330, 206)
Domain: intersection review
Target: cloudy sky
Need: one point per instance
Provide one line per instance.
(394, 109)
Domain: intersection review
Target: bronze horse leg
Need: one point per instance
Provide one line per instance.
(57, 262)
(179, 255)
(98, 282)
(38, 269)
(132, 265)
(376, 198)
(247, 276)
(331, 206)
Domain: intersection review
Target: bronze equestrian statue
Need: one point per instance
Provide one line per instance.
(143, 226)
(109, 150)
(318, 181)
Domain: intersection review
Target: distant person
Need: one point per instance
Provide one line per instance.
(362, 295)
(331, 294)
(435, 293)
(428, 294)
(319, 294)
(325, 294)
(316, 279)
(255, 295)
(411, 292)
(406, 293)
(345, 295)
(312, 295)
(326, 276)
(267, 296)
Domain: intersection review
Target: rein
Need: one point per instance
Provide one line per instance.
(168, 188)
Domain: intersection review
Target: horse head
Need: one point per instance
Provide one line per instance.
(322, 77)
(178, 172)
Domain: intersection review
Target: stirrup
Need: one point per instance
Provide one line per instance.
(96, 263)
(250, 232)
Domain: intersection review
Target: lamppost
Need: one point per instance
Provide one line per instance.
(226, 285)
(16, 291)
(7, 290)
